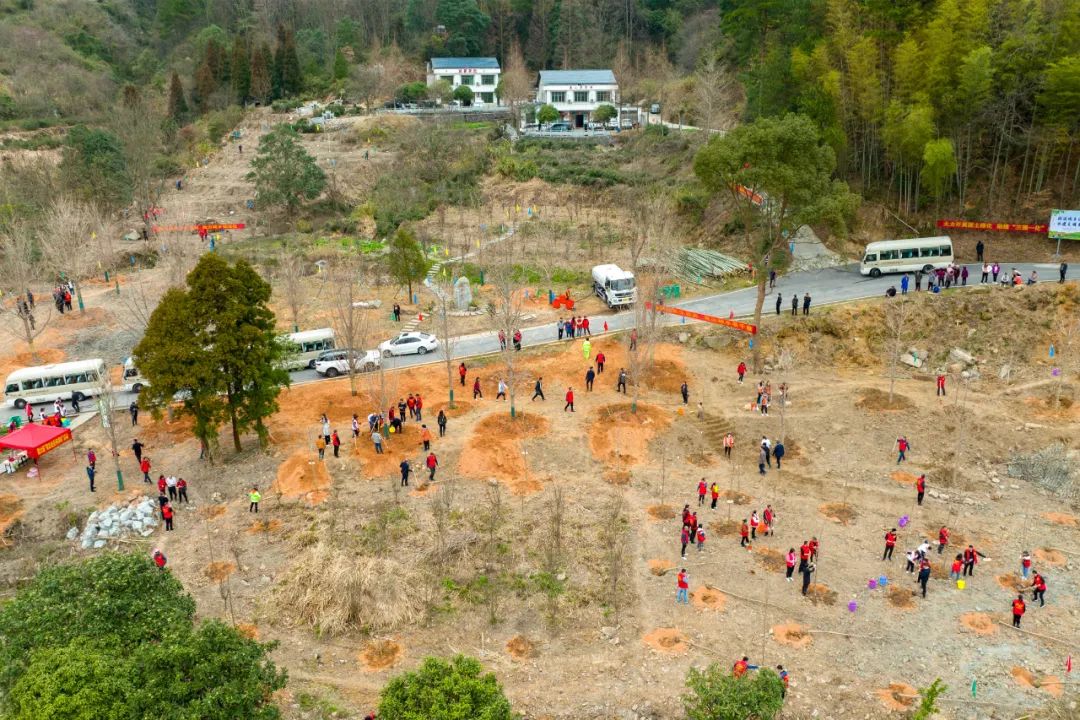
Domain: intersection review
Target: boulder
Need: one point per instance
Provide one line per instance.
(962, 356)
(72, 533)
(99, 544)
(911, 360)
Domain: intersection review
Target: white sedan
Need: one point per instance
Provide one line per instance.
(332, 363)
(409, 343)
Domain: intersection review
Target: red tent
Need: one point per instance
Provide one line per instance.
(36, 439)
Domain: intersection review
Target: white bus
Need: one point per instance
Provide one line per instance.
(900, 256)
(305, 346)
(70, 380)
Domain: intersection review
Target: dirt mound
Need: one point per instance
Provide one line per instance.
(45, 356)
(878, 400)
(669, 641)
(772, 560)
(701, 459)
(838, 512)
(901, 598)
(898, 696)
(380, 654)
(792, 635)
(736, 498)
(11, 509)
(725, 527)
(302, 476)
(902, 477)
(618, 477)
(660, 567)
(667, 373)
(661, 512)
(218, 571)
(1023, 678)
(707, 598)
(821, 594)
(213, 511)
(263, 526)
(1052, 684)
(1011, 582)
(1049, 556)
(494, 450)
(248, 630)
(620, 437)
(520, 647)
(978, 623)
(1061, 519)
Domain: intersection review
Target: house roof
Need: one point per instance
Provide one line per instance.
(577, 77)
(449, 63)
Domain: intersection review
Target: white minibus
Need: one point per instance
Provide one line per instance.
(305, 346)
(900, 256)
(71, 380)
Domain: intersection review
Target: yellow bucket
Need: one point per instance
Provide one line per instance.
(960, 584)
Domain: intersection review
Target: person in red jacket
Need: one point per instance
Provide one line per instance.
(683, 585)
(741, 667)
(702, 489)
(941, 385)
(804, 555)
(741, 370)
(700, 537)
(161, 484)
(569, 399)
(1018, 609)
(144, 465)
(744, 533)
(715, 492)
(419, 408)
(600, 360)
(181, 491)
(336, 441)
(686, 514)
(159, 558)
(920, 488)
(942, 539)
(1038, 584)
(902, 445)
(476, 392)
(970, 558)
(789, 560)
(769, 516)
(167, 514)
(585, 326)
(814, 544)
(957, 566)
(684, 538)
(890, 544)
(692, 524)
(432, 463)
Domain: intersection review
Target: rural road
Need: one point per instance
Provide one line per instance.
(827, 286)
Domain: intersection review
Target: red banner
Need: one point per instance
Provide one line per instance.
(1000, 227)
(744, 327)
(754, 197)
(195, 228)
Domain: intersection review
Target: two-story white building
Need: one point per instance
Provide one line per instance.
(576, 94)
(480, 74)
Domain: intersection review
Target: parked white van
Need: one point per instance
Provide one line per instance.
(305, 347)
(70, 380)
(900, 256)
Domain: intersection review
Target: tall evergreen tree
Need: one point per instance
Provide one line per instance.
(205, 85)
(262, 85)
(240, 70)
(215, 58)
(341, 65)
(292, 77)
(276, 71)
(178, 107)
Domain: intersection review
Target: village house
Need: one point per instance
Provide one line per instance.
(479, 73)
(576, 94)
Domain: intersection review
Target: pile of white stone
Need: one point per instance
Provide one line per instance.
(138, 516)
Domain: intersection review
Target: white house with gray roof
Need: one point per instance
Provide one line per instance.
(479, 73)
(576, 94)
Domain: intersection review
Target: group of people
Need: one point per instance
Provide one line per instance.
(515, 337)
(794, 303)
(769, 451)
(573, 327)
(62, 294)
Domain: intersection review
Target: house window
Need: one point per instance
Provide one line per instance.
(487, 80)
(467, 79)
(558, 97)
(487, 97)
(603, 96)
(581, 96)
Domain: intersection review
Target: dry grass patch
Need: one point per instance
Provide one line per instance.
(838, 512)
(878, 400)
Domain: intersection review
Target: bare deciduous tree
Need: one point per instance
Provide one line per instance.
(444, 298)
(350, 323)
(896, 313)
(505, 312)
(71, 229)
(137, 121)
(712, 83)
(289, 274)
(22, 268)
(107, 406)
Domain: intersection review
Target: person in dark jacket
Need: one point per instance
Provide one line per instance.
(778, 453)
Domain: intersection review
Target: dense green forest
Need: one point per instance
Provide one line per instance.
(967, 105)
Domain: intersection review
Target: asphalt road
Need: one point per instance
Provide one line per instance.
(826, 287)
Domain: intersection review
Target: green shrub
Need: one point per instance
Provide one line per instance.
(441, 690)
(340, 225)
(304, 226)
(285, 105)
(715, 694)
(7, 107)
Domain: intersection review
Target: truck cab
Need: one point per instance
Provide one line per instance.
(615, 286)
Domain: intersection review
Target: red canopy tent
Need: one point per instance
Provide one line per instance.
(36, 439)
